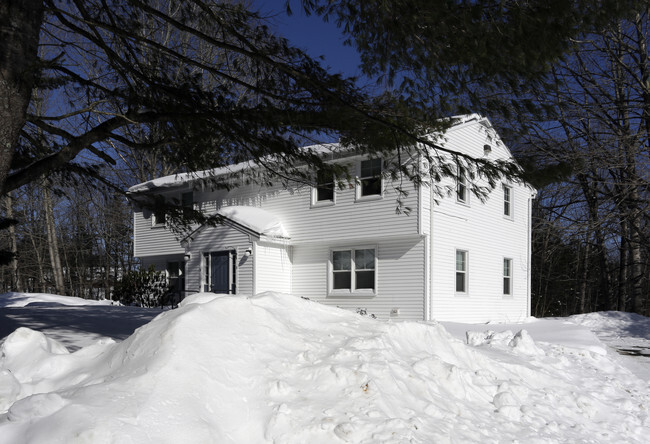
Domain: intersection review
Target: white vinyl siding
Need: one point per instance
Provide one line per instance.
(399, 277)
(272, 267)
(153, 241)
(482, 230)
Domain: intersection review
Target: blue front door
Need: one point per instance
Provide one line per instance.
(221, 271)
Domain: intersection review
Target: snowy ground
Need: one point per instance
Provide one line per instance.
(279, 369)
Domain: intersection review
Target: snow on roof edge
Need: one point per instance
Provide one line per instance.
(323, 148)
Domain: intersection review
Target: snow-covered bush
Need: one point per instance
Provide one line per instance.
(145, 287)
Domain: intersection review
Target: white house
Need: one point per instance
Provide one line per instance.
(455, 258)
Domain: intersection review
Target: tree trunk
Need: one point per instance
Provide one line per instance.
(20, 25)
(52, 241)
(15, 283)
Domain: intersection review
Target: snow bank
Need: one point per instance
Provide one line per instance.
(13, 299)
(278, 368)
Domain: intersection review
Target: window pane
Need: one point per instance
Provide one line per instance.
(325, 192)
(506, 267)
(159, 216)
(364, 259)
(461, 189)
(506, 201)
(506, 285)
(365, 279)
(460, 261)
(460, 282)
(371, 168)
(188, 203)
(342, 260)
(325, 186)
(342, 280)
(173, 269)
(370, 187)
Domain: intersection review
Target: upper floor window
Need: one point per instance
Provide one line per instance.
(370, 177)
(507, 201)
(461, 189)
(507, 277)
(187, 201)
(158, 217)
(324, 187)
(461, 271)
(353, 270)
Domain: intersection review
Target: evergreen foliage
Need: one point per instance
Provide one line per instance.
(145, 288)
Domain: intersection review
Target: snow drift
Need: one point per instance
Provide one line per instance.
(278, 368)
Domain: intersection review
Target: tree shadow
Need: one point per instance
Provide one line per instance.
(77, 326)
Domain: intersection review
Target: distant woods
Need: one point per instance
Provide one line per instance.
(75, 241)
(591, 232)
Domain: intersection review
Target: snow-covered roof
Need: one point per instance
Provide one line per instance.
(325, 149)
(251, 220)
(183, 178)
(255, 219)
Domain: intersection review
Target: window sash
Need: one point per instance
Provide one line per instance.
(187, 201)
(507, 277)
(507, 202)
(461, 189)
(370, 177)
(354, 270)
(159, 217)
(324, 187)
(461, 271)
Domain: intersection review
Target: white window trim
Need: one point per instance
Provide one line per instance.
(511, 206)
(511, 277)
(466, 272)
(233, 270)
(462, 179)
(331, 292)
(357, 189)
(322, 203)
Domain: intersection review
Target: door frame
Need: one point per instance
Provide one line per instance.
(206, 277)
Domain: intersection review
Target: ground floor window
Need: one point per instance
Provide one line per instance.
(176, 276)
(219, 272)
(461, 271)
(353, 270)
(507, 277)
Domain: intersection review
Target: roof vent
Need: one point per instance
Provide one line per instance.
(487, 149)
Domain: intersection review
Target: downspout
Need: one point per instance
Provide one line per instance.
(254, 258)
(427, 249)
(529, 253)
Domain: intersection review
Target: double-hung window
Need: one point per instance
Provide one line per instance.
(370, 178)
(507, 277)
(324, 190)
(187, 201)
(461, 271)
(158, 218)
(461, 189)
(507, 201)
(353, 271)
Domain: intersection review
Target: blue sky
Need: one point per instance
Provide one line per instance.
(314, 36)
